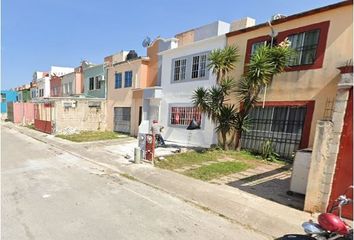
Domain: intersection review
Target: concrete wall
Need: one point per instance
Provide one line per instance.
(313, 84)
(82, 117)
(325, 151)
(94, 71)
(21, 112)
(180, 93)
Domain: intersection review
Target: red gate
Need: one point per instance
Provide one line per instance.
(43, 117)
(343, 176)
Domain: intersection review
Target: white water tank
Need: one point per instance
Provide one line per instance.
(301, 167)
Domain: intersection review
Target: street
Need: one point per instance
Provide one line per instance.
(51, 194)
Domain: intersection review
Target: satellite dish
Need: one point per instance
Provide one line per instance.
(146, 42)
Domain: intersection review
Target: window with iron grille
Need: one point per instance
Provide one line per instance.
(118, 80)
(257, 45)
(305, 44)
(128, 79)
(92, 83)
(182, 116)
(283, 126)
(179, 69)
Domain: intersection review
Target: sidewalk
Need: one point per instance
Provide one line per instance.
(261, 215)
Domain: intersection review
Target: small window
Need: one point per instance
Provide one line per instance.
(257, 45)
(97, 82)
(118, 80)
(305, 44)
(70, 90)
(128, 79)
(92, 83)
(195, 67)
(3, 97)
(182, 116)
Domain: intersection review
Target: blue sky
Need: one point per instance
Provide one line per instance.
(39, 33)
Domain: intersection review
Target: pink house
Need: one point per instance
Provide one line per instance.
(55, 86)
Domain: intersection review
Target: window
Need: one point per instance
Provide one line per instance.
(182, 116)
(257, 45)
(180, 69)
(128, 79)
(118, 80)
(92, 83)
(3, 97)
(41, 92)
(70, 88)
(98, 82)
(305, 44)
(199, 66)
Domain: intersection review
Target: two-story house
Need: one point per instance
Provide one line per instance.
(94, 80)
(72, 84)
(185, 68)
(289, 109)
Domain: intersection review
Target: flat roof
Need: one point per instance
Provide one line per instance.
(292, 17)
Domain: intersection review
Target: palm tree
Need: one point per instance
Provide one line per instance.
(210, 101)
(265, 63)
(222, 61)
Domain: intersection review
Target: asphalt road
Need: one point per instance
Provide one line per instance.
(50, 194)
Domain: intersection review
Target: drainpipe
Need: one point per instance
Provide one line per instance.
(273, 34)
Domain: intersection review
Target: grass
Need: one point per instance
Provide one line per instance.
(88, 136)
(197, 157)
(30, 126)
(216, 170)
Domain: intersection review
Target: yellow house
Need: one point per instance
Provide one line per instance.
(299, 97)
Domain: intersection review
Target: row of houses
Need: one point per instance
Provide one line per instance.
(126, 91)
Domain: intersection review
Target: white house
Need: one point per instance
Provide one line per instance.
(184, 68)
(41, 81)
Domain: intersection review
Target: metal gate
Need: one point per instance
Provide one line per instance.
(43, 117)
(283, 126)
(122, 119)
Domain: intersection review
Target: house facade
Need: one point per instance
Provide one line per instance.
(304, 93)
(24, 93)
(55, 86)
(184, 69)
(124, 103)
(7, 96)
(72, 83)
(94, 81)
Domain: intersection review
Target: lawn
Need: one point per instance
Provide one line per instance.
(216, 170)
(198, 157)
(88, 136)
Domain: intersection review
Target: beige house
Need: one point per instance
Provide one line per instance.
(123, 101)
(304, 94)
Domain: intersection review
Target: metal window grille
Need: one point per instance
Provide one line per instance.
(182, 116)
(283, 126)
(98, 83)
(183, 69)
(128, 79)
(305, 45)
(118, 80)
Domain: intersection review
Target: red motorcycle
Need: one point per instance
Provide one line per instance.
(330, 226)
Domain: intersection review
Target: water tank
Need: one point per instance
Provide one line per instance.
(131, 55)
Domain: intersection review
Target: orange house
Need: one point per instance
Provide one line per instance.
(304, 93)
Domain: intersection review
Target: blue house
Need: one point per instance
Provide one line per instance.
(6, 97)
(94, 81)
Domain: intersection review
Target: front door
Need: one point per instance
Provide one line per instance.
(122, 119)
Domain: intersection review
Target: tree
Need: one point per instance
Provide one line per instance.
(211, 101)
(264, 64)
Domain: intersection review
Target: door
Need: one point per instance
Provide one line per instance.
(122, 119)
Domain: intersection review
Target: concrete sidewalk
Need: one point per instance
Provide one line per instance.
(261, 215)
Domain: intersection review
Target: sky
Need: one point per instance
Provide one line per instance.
(37, 34)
